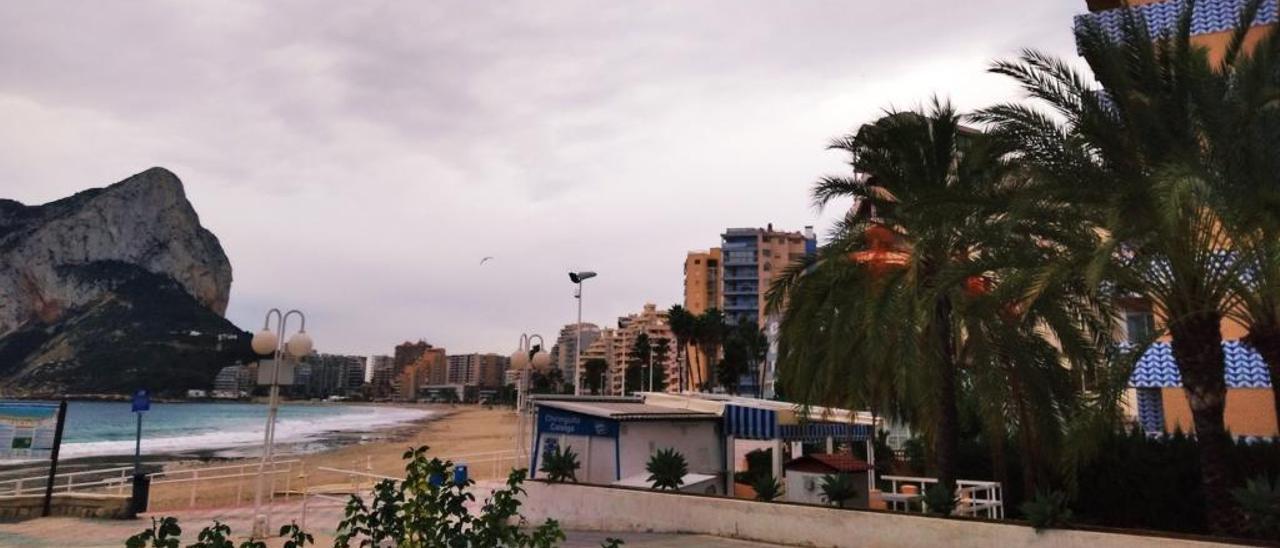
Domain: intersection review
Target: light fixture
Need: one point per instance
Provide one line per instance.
(579, 277)
(264, 342)
(299, 344)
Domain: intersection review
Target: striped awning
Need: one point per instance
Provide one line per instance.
(815, 432)
(751, 423)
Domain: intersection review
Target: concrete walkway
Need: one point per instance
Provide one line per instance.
(322, 520)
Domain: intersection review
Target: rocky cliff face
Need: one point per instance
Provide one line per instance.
(110, 289)
(144, 220)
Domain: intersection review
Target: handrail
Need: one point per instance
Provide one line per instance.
(224, 467)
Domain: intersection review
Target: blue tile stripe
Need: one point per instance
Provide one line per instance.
(1157, 368)
(1210, 16)
(1151, 410)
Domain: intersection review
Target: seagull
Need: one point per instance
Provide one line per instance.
(484, 260)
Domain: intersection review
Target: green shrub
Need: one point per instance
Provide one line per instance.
(164, 533)
(560, 465)
(667, 469)
(767, 488)
(429, 509)
(1259, 500)
(940, 500)
(1047, 510)
(838, 489)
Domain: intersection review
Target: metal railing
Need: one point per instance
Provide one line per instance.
(195, 477)
(974, 497)
(103, 480)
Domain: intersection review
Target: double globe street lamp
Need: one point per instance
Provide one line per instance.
(521, 360)
(271, 343)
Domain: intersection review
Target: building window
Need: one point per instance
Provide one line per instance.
(1139, 326)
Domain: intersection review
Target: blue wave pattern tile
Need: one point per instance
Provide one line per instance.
(1157, 368)
(1151, 410)
(1210, 16)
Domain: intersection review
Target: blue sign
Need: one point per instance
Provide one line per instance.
(141, 401)
(555, 421)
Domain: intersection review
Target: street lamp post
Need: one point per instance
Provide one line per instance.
(578, 278)
(521, 360)
(268, 342)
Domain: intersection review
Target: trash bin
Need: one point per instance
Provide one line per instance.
(141, 492)
(459, 474)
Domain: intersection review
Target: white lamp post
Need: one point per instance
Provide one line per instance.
(268, 342)
(521, 362)
(578, 278)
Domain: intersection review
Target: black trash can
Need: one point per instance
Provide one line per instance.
(141, 491)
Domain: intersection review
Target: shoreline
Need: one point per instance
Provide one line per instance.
(316, 443)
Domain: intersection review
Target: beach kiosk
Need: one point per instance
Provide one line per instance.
(752, 423)
(614, 438)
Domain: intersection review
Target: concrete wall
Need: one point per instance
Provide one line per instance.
(583, 507)
(79, 505)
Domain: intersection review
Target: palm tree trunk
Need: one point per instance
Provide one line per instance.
(946, 442)
(1265, 338)
(1197, 348)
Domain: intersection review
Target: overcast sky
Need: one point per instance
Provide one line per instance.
(358, 159)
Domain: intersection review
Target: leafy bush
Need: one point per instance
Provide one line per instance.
(767, 488)
(429, 509)
(560, 465)
(1259, 499)
(838, 489)
(1047, 510)
(940, 500)
(164, 533)
(667, 469)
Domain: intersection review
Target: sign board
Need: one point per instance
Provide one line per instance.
(266, 369)
(141, 401)
(27, 429)
(555, 421)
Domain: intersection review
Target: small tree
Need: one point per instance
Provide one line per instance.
(940, 499)
(667, 469)
(838, 489)
(594, 371)
(560, 465)
(429, 508)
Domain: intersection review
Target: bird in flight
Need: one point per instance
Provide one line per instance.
(484, 260)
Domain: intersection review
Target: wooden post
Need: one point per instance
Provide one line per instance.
(53, 465)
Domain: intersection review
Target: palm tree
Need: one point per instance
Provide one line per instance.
(637, 362)
(1130, 159)
(708, 333)
(667, 469)
(931, 288)
(681, 323)
(594, 368)
(659, 348)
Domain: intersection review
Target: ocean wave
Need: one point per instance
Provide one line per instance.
(288, 431)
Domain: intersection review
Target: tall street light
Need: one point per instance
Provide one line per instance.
(578, 278)
(268, 342)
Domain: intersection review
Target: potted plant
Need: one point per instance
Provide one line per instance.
(560, 465)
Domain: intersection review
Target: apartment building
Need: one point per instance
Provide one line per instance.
(1157, 399)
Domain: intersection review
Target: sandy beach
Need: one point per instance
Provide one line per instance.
(483, 438)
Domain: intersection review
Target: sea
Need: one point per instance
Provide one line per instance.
(223, 429)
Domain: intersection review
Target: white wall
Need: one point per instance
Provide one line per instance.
(593, 508)
(795, 486)
(696, 440)
(596, 454)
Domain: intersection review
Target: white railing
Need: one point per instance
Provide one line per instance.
(238, 472)
(975, 497)
(116, 479)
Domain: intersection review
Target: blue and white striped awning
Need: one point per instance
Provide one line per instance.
(819, 431)
(751, 423)
(754, 423)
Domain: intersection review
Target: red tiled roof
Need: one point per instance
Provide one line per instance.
(829, 462)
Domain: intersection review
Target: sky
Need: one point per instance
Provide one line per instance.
(358, 160)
